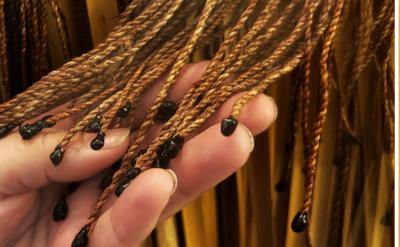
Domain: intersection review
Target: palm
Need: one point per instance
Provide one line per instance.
(36, 225)
(30, 185)
(31, 214)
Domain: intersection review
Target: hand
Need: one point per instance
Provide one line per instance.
(30, 185)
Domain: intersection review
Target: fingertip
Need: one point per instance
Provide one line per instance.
(272, 115)
(249, 135)
(210, 157)
(174, 179)
(206, 160)
(158, 181)
(79, 156)
(241, 144)
(259, 114)
(136, 212)
(194, 70)
(190, 74)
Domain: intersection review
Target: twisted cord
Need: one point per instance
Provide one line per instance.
(4, 85)
(61, 28)
(311, 160)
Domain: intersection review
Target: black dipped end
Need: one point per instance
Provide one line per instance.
(170, 149)
(72, 187)
(98, 142)
(387, 219)
(94, 126)
(27, 131)
(160, 163)
(281, 185)
(123, 112)
(4, 130)
(166, 111)
(82, 238)
(132, 173)
(116, 165)
(121, 187)
(106, 181)
(60, 210)
(56, 156)
(299, 222)
(228, 126)
(43, 123)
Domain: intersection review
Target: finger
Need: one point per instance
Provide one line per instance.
(205, 161)
(190, 74)
(261, 111)
(26, 164)
(64, 124)
(210, 157)
(257, 115)
(80, 204)
(136, 212)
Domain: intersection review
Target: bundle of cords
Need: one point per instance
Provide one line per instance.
(262, 41)
(24, 42)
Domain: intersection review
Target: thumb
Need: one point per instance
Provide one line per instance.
(26, 164)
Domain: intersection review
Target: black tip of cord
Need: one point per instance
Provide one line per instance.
(299, 222)
(123, 112)
(228, 126)
(57, 155)
(60, 210)
(98, 142)
(82, 238)
(4, 130)
(281, 185)
(122, 186)
(168, 151)
(130, 174)
(28, 131)
(387, 219)
(166, 111)
(94, 126)
(160, 163)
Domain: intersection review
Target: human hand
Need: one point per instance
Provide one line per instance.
(30, 185)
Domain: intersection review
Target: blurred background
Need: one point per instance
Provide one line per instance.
(353, 202)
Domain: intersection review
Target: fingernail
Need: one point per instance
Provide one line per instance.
(174, 180)
(113, 138)
(275, 107)
(251, 137)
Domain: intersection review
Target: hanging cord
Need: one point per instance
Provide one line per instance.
(302, 220)
(4, 84)
(61, 28)
(23, 43)
(102, 88)
(153, 110)
(344, 141)
(290, 143)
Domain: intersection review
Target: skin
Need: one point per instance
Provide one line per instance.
(30, 184)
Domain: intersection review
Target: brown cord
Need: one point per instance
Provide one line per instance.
(4, 84)
(311, 160)
(61, 28)
(262, 43)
